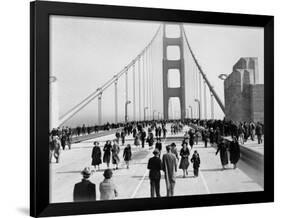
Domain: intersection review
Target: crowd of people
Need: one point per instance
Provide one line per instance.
(227, 136)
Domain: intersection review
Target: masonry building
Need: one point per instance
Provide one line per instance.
(244, 95)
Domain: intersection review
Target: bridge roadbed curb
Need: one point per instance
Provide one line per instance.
(248, 155)
(92, 136)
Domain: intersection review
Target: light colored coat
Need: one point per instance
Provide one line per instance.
(108, 190)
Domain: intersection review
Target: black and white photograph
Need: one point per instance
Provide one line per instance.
(148, 109)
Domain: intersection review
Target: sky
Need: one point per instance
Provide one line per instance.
(86, 52)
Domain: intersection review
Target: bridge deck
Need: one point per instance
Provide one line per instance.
(134, 182)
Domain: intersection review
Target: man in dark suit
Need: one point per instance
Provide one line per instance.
(154, 166)
(85, 190)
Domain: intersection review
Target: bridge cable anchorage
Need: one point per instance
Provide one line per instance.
(78, 107)
(203, 74)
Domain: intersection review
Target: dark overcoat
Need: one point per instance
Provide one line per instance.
(84, 191)
(96, 156)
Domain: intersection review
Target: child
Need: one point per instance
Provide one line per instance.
(196, 163)
(127, 154)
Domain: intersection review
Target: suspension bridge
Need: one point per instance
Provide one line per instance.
(164, 75)
(193, 97)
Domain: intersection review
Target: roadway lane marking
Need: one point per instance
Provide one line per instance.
(142, 179)
(140, 183)
(204, 182)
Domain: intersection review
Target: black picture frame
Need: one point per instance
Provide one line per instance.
(39, 107)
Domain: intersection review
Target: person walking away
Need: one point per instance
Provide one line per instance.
(191, 133)
(84, 190)
(117, 135)
(184, 163)
(143, 136)
(158, 145)
(96, 156)
(123, 134)
(108, 190)
(205, 137)
(150, 139)
(164, 132)
(63, 140)
(107, 153)
(174, 150)
(234, 152)
(127, 155)
(169, 166)
(252, 130)
(259, 133)
(115, 154)
(222, 149)
(212, 136)
(197, 135)
(196, 163)
(154, 166)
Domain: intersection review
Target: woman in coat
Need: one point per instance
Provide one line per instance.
(184, 163)
(96, 156)
(115, 151)
(107, 153)
(234, 152)
(127, 155)
(222, 148)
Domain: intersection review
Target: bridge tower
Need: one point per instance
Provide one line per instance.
(169, 92)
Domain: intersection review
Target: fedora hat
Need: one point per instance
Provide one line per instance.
(86, 171)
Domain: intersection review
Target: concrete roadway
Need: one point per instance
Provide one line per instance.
(134, 182)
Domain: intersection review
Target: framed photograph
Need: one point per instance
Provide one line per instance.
(142, 109)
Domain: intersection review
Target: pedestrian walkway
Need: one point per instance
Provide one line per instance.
(134, 182)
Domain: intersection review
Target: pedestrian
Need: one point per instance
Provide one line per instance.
(234, 152)
(63, 140)
(205, 137)
(158, 145)
(117, 135)
(115, 154)
(107, 153)
(222, 149)
(164, 132)
(196, 163)
(85, 190)
(123, 134)
(143, 136)
(154, 166)
(174, 150)
(127, 155)
(137, 139)
(150, 139)
(108, 190)
(169, 166)
(212, 136)
(96, 156)
(191, 133)
(184, 163)
(259, 133)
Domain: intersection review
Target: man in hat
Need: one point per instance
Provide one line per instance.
(169, 166)
(154, 166)
(85, 190)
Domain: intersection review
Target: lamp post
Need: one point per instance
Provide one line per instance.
(126, 111)
(191, 114)
(144, 113)
(186, 111)
(199, 108)
(153, 113)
